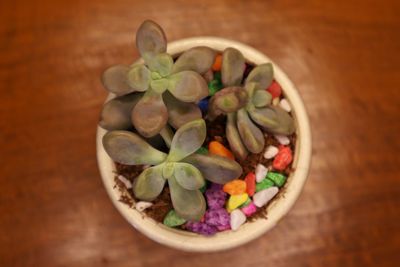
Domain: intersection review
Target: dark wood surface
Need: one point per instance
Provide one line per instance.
(343, 57)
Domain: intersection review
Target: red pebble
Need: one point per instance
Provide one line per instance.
(250, 180)
(283, 158)
(275, 89)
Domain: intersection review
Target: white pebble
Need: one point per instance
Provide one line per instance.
(285, 105)
(142, 205)
(271, 152)
(237, 219)
(261, 173)
(126, 182)
(261, 198)
(275, 101)
(282, 139)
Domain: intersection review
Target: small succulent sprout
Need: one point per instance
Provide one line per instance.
(248, 106)
(198, 59)
(233, 66)
(228, 100)
(159, 75)
(116, 113)
(184, 170)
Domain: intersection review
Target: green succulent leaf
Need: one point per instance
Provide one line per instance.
(198, 59)
(261, 98)
(233, 66)
(180, 113)
(150, 114)
(116, 113)
(215, 168)
(274, 119)
(187, 140)
(188, 86)
(159, 86)
(161, 63)
(233, 136)
(262, 76)
(167, 135)
(115, 80)
(149, 184)
(128, 148)
(188, 176)
(250, 134)
(227, 100)
(188, 204)
(150, 39)
(138, 77)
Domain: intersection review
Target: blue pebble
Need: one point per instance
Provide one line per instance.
(203, 105)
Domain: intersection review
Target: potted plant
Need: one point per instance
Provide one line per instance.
(203, 146)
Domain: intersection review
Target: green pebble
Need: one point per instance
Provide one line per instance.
(204, 187)
(172, 219)
(278, 178)
(202, 150)
(217, 76)
(248, 201)
(264, 184)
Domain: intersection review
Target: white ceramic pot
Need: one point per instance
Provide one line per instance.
(276, 210)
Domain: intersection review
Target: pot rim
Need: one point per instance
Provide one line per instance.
(251, 230)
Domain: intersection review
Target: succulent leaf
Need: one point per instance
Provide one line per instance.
(188, 204)
(187, 140)
(198, 59)
(180, 113)
(274, 119)
(149, 184)
(188, 176)
(150, 114)
(188, 86)
(159, 86)
(150, 39)
(138, 77)
(161, 63)
(116, 113)
(167, 135)
(215, 168)
(227, 100)
(233, 136)
(251, 135)
(262, 76)
(233, 66)
(115, 80)
(128, 148)
(261, 98)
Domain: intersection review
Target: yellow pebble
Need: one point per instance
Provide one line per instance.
(235, 201)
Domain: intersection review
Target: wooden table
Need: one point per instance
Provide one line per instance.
(343, 57)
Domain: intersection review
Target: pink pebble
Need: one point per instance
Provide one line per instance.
(249, 209)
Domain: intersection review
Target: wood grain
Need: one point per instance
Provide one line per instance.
(342, 55)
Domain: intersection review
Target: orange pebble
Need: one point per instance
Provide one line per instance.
(235, 187)
(217, 63)
(217, 148)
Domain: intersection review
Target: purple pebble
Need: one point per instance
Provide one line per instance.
(219, 218)
(215, 198)
(201, 228)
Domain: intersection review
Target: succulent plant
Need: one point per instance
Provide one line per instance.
(184, 169)
(247, 105)
(168, 90)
